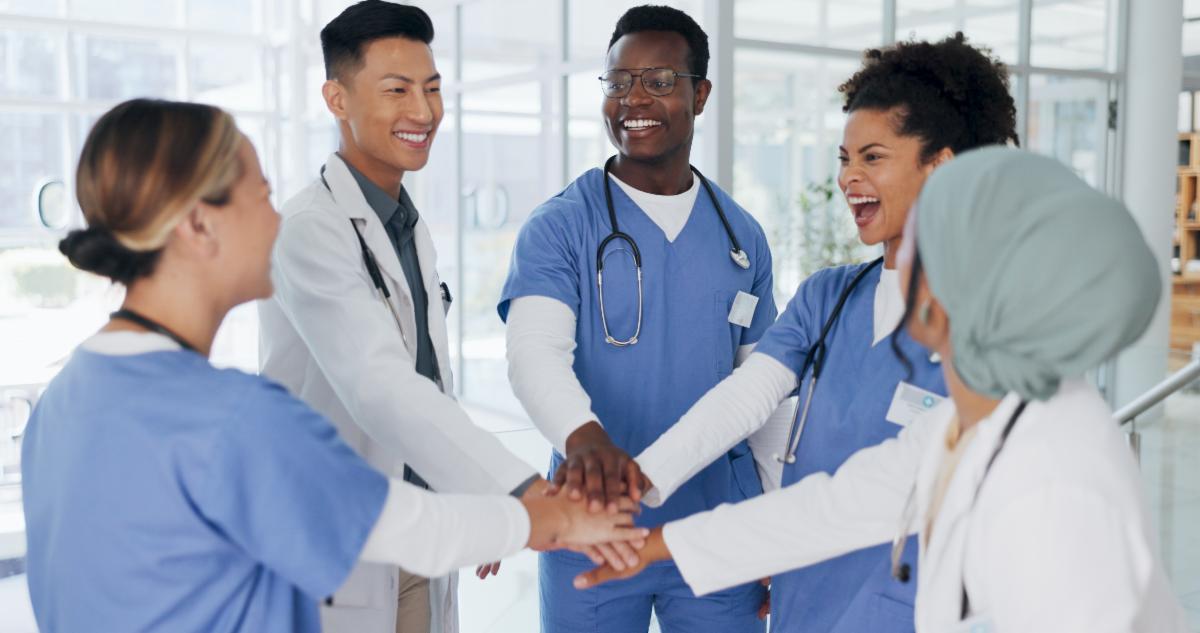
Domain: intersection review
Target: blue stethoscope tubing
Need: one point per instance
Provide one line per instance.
(736, 253)
(815, 359)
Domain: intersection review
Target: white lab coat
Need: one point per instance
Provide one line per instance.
(328, 337)
(1058, 541)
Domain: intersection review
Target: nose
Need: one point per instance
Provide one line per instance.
(848, 175)
(421, 112)
(637, 94)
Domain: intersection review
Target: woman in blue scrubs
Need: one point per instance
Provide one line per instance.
(164, 494)
(911, 107)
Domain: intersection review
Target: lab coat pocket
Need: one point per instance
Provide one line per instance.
(745, 474)
(368, 585)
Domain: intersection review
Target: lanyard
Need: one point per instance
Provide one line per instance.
(154, 326)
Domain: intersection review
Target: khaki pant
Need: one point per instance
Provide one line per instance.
(413, 611)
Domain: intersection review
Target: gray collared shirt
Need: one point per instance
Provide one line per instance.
(399, 218)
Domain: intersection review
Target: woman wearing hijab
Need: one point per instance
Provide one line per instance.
(1025, 498)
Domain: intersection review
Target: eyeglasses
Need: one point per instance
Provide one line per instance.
(659, 82)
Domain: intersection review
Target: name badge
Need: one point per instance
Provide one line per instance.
(742, 312)
(977, 624)
(909, 402)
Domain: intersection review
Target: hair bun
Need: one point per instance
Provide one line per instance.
(96, 250)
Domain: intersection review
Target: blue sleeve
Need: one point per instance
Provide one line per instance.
(285, 488)
(764, 288)
(544, 260)
(788, 340)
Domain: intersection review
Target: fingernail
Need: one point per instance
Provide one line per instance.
(580, 582)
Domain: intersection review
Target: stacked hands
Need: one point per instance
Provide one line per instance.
(589, 508)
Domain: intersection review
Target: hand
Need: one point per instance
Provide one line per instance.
(556, 522)
(655, 550)
(599, 469)
(765, 608)
(487, 569)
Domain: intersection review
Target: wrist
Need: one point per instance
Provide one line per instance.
(535, 489)
(590, 434)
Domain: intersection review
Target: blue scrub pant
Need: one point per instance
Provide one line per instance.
(624, 606)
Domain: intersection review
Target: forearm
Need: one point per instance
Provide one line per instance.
(726, 415)
(432, 534)
(540, 338)
(815, 519)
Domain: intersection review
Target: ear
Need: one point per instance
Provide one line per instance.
(939, 323)
(703, 89)
(197, 232)
(335, 98)
(938, 159)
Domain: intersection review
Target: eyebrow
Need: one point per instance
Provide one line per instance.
(408, 80)
(871, 146)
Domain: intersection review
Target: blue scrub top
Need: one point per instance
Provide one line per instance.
(687, 344)
(855, 592)
(162, 494)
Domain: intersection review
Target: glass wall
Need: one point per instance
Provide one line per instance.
(787, 111)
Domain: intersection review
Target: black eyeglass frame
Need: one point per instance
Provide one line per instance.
(675, 75)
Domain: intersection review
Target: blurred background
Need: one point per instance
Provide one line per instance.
(522, 119)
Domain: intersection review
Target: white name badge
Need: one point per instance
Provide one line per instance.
(909, 402)
(977, 624)
(742, 312)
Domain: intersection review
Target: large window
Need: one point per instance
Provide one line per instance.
(787, 112)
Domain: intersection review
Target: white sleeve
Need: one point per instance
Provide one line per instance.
(540, 338)
(323, 289)
(768, 441)
(726, 415)
(815, 519)
(432, 534)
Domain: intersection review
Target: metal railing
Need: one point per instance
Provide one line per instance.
(1129, 413)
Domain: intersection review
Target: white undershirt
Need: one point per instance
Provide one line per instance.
(425, 533)
(540, 341)
(670, 213)
(889, 304)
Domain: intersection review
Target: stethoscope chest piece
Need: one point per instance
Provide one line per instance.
(740, 258)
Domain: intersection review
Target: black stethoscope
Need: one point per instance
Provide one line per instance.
(154, 326)
(372, 266)
(815, 359)
(902, 571)
(736, 253)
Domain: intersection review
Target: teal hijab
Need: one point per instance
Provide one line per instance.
(1041, 276)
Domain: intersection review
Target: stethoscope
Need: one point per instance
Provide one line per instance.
(815, 359)
(736, 253)
(376, 274)
(902, 571)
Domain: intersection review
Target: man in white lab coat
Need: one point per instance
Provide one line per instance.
(357, 324)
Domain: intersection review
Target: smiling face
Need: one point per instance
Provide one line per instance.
(881, 174)
(645, 127)
(388, 109)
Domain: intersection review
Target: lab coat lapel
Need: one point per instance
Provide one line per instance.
(349, 199)
(427, 255)
(943, 558)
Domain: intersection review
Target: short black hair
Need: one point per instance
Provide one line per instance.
(949, 93)
(343, 39)
(650, 17)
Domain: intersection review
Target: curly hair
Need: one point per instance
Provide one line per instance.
(948, 93)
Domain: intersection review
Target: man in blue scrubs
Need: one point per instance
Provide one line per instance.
(603, 378)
